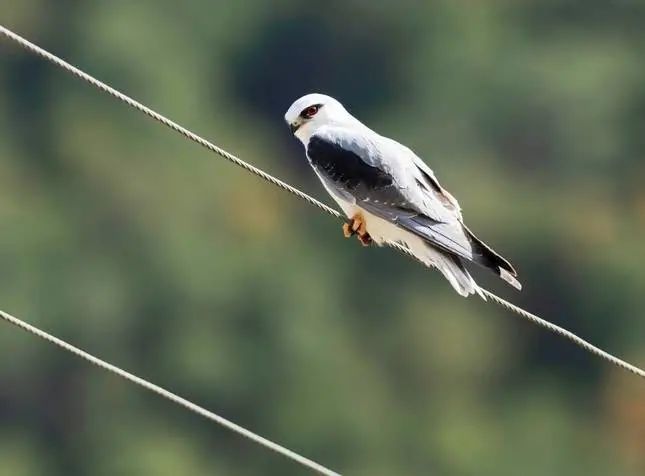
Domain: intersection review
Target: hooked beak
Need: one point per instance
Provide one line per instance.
(294, 126)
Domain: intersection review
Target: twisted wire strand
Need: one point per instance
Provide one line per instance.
(168, 395)
(163, 120)
(294, 191)
(579, 341)
(589, 347)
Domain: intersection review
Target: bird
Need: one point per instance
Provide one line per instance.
(389, 194)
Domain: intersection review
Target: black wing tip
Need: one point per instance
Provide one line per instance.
(491, 259)
(503, 264)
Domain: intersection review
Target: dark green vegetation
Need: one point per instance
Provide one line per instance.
(132, 243)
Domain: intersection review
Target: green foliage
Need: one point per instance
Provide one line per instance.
(128, 241)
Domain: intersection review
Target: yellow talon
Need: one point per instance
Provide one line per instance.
(347, 231)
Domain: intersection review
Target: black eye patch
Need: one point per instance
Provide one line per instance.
(310, 111)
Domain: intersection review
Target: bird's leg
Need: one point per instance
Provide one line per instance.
(357, 226)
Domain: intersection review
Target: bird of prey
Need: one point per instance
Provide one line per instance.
(389, 194)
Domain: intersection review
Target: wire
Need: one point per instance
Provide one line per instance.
(312, 201)
(168, 395)
(589, 347)
(164, 120)
(566, 334)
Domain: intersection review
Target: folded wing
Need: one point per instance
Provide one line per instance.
(388, 180)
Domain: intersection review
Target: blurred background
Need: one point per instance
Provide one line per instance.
(141, 247)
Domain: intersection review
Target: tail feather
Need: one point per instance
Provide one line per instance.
(460, 279)
(449, 265)
(510, 279)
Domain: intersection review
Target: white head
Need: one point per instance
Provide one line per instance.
(312, 111)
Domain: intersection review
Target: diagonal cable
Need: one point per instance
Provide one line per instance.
(168, 395)
(312, 201)
(162, 119)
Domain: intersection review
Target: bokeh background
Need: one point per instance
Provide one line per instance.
(125, 239)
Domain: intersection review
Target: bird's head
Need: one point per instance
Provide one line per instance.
(312, 111)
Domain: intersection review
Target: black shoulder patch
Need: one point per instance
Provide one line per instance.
(345, 166)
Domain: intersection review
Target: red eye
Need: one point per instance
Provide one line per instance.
(310, 112)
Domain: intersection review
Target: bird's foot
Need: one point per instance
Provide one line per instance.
(365, 239)
(357, 226)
